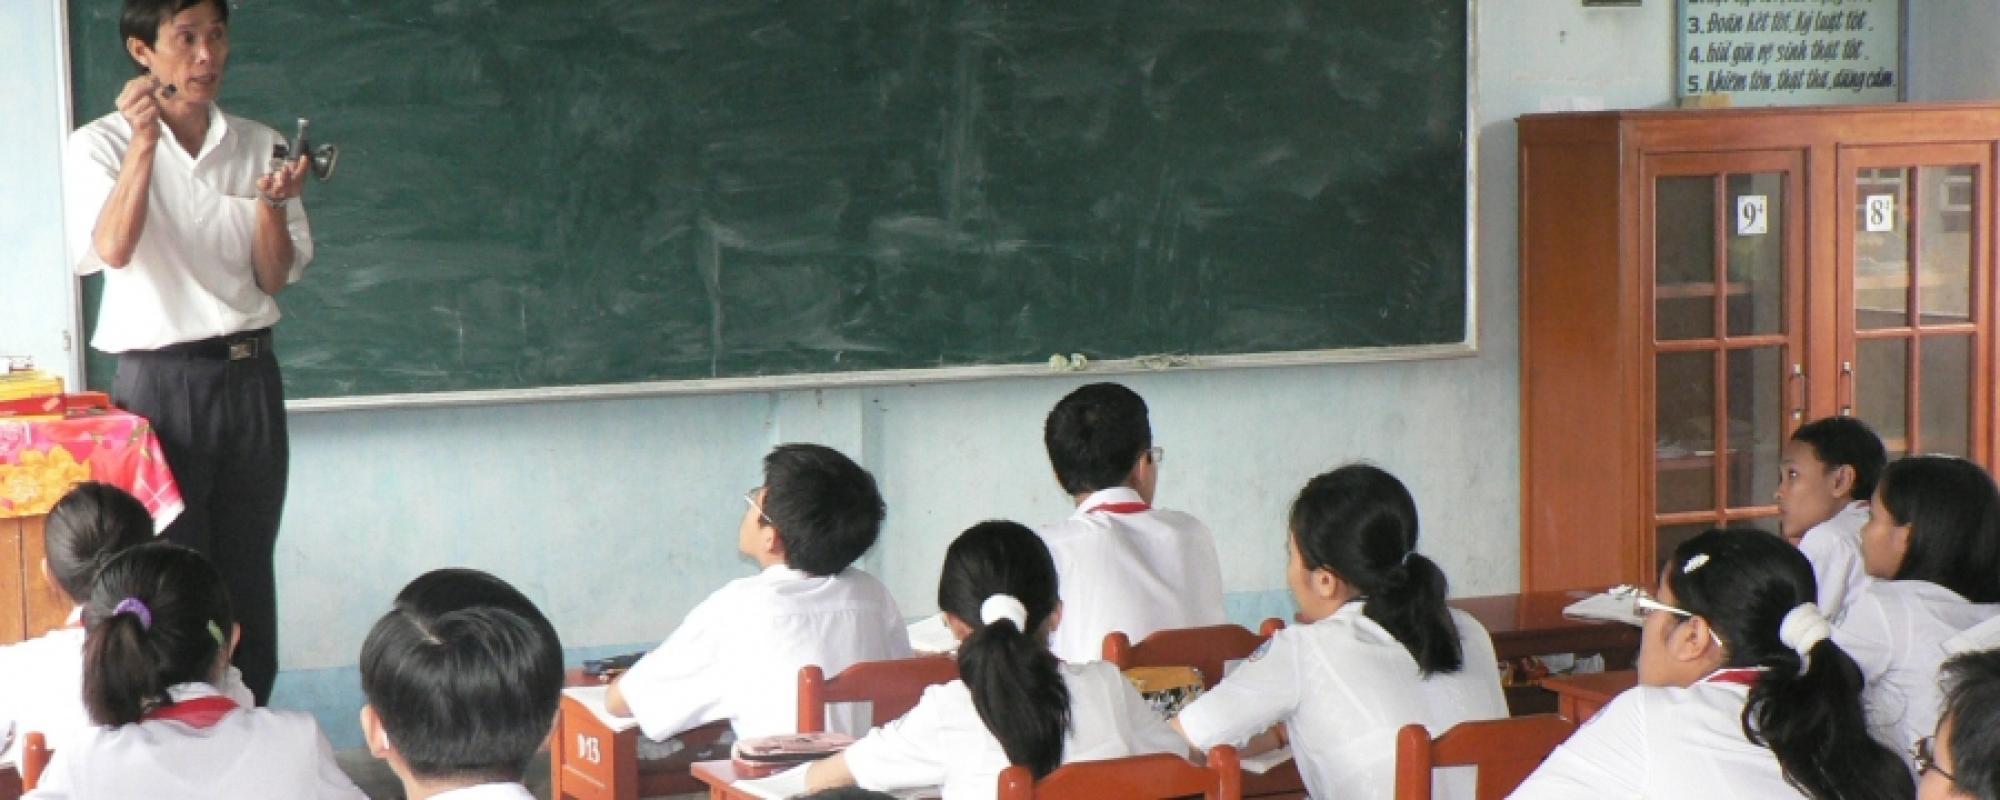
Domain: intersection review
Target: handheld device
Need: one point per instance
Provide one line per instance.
(322, 158)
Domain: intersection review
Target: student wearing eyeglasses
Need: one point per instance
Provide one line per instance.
(1962, 762)
(1742, 692)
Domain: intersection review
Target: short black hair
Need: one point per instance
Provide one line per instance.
(1846, 442)
(826, 507)
(1095, 435)
(465, 674)
(89, 525)
(142, 19)
(1972, 703)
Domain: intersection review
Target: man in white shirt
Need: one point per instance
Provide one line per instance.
(1827, 474)
(178, 205)
(737, 655)
(1122, 564)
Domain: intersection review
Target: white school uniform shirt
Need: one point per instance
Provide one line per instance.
(737, 655)
(1834, 548)
(190, 277)
(249, 754)
(1984, 636)
(488, 791)
(1343, 686)
(942, 741)
(1896, 632)
(43, 690)
(1664, 742)
(1137, 572)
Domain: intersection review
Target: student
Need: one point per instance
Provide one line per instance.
(1932, 545)
(1963, 759)
(737, 655)
(462, 677)
(1380, 649)
(160, 634)
(1016, 703)
(1125, 565)
(44, 687)
(1741, 692)
(1827, 477)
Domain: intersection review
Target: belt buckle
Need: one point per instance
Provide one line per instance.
(242, 349)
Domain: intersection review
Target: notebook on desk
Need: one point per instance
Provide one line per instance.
(1618, 604)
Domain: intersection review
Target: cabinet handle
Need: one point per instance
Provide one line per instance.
(1847, 396)
(1798, 392)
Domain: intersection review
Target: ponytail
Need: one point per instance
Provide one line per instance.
(1361, 523)
(157, 616)
(118, 670)
(999, 579)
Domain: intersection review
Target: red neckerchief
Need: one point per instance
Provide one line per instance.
(1744, 676)
(1119, 508)
(198, 712)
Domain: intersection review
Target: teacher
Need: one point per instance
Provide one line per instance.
(195, 230)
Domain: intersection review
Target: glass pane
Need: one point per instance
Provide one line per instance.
(1684, 257)
(1668, 537)
(1945, 412)
(1756, 284)
(1881, 249)
(1882, 392)
(1944, 245)
(1757, 405)
(1684, 453)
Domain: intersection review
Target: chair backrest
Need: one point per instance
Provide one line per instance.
(1504, 751)
(1159, 775)
(35, 755)
(1206, 648)
(893, 687)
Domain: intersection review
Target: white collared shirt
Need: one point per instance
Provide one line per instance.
(488, 791)
(190, 277)
(1896, 632)
(248, 754)
(737, 655)
(1834, 548)
(43, 690)
(943, 742)
(1984, 636)
(1343, 687)
(1137, 572)
(1663, 742)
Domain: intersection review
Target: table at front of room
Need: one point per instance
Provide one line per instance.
(40, 459)
(1533, 624)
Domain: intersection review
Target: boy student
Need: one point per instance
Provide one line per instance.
(462, 677)
(737, 655)
(1829, 470)
(1123, 564)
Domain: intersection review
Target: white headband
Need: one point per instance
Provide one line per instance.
(1803, 629)
(1004, 606)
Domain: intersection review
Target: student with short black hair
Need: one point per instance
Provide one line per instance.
(463, 676)
(160, 631)
(1381, 649)
(1963, 759)
(1828, 475)
(1125, 565)
(44, 688)
(1742, 692)
(1932, 546)
(1015, 703)
(737, 655)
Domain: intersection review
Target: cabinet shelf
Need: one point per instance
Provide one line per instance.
(1695, 291)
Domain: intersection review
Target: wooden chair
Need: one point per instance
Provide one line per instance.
(35, 755)
(1148, 777)
(892, 687)
(1206, 648)
(1504, 751)
(591, 761)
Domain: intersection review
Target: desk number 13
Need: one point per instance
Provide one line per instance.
(586, 749)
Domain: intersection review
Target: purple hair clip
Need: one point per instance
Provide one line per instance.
(135, 607)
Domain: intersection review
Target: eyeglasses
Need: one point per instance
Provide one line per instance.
(1922, 755)
(1646, 603)
(1157, 454)
(750, 497)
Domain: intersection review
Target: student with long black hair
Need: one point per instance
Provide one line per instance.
(1015, 704)
(1932, 545)
(159, 634)
(1381, 649)
(1742, 692)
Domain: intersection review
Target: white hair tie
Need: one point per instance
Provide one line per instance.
(1004, 606)
(1803, 629)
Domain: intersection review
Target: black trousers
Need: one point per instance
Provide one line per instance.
(218, 407)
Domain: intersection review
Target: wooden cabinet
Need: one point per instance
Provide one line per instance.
(29, 605)
(1696, 284)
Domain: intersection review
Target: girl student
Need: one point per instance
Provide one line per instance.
(1016, 703)
(44, 688)
(1380, 650)
(1932, 545)
(159, 634)
(1742, 692)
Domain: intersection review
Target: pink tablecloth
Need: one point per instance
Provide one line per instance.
(41, 459)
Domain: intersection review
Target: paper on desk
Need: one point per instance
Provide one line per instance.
(1263, 762)
(932, 635)
(792, 783)
(592, 697)
(1613, 606)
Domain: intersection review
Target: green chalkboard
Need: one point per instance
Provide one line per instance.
(571, 192)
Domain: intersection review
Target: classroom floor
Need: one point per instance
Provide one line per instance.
(379, 783)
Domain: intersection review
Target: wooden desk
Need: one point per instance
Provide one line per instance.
(1532, 624)
(1578, 697)
(720, 777)
(29, 605)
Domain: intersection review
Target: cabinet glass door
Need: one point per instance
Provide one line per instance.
(1913, 265)
(1728, 384)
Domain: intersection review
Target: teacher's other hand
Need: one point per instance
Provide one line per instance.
(138, 105)
(285, 182)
